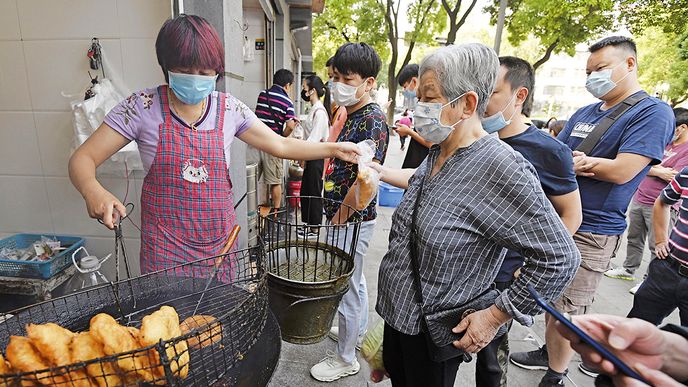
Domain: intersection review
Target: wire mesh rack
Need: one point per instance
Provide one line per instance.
(230, 318)
(308, 268)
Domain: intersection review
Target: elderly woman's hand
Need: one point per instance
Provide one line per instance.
(480, 329)
(346, 151)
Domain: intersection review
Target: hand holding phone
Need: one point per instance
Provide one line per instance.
(587, 339)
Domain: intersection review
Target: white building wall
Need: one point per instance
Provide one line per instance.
(43, 48)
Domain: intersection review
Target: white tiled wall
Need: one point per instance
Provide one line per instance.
(43, 48)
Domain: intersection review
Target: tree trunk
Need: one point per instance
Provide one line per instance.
(547, 55)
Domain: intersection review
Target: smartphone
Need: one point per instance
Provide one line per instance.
(604, 352)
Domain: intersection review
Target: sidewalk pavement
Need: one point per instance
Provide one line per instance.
(296, 360)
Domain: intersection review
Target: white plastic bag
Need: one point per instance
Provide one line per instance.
(89, 114)
(368, 179)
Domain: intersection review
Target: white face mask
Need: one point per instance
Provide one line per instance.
(428, 121)
(345, 95)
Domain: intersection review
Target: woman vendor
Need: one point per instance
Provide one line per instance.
(184, 130)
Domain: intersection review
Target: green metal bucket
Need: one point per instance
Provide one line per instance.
(306, 282)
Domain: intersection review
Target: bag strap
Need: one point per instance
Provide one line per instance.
(589, 143)
(415, 265)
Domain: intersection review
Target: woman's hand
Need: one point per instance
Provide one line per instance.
(346, 151)
(480, 329)
(103, 205)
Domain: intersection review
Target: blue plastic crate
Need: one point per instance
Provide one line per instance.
(390, 196)
(37, 269)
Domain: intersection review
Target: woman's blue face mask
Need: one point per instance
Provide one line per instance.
(191, 89)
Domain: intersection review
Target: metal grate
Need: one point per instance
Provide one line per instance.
(236, 298)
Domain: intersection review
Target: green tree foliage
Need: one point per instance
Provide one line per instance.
(456, 18)
(661, 65)
(670, 15)
(426, 20)
(662, 41)
(345, 21)
(558, 25)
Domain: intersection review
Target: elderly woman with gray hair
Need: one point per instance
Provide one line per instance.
(472, 198)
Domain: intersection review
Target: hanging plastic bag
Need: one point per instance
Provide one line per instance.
(89, 114)
(371, 350)
(368, 179)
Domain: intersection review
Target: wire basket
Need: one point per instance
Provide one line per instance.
(37, 269)
(236, 297)
(308, 270)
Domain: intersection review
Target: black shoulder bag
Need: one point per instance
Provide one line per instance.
(438, 325)
(588, 144)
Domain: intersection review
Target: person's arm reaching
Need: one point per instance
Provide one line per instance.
(261, 137)
(100, 203)
(396, 177)
(404, 130)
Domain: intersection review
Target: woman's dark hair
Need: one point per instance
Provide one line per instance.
(314, 82)
(189, 41)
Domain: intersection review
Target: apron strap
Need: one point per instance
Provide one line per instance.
(165, 104)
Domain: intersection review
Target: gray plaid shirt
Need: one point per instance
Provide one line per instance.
(485, 198)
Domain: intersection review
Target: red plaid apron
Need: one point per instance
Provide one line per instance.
(187, 207)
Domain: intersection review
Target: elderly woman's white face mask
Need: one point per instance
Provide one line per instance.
(428, 121)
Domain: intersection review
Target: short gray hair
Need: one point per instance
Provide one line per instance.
(463, 68)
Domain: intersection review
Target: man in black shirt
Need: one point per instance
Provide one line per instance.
(418, 147)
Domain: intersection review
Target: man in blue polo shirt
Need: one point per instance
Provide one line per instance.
(607, 179)
(554, 165)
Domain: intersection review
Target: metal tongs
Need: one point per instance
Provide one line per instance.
(119, 242)
(218, 262)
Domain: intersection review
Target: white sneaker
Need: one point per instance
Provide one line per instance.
(334, 335)
(635, 288)
(333, 367)
(620, 273)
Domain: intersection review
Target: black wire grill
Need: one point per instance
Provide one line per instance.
(236, 298)
(308, 269)
(308, 253)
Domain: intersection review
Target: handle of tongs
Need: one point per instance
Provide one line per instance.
(230, 242)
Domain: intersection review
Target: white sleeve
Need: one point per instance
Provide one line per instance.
(320, 131)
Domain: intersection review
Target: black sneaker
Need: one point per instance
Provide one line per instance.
(551, 382)
(533, 360)
(586, 369)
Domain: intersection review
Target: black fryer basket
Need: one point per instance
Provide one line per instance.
(236, 297)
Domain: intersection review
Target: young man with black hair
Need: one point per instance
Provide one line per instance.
(607, 178)
(355, 66)
(276, 110)
(418, 147)
(554, 165)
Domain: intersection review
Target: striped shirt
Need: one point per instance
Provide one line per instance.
(275, 108)
(675, 191)
(485, 198)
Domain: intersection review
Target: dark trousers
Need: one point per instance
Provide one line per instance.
(663, 290)
(491, 361)
(312, 185)
(408, 364)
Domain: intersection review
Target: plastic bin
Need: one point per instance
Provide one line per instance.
(37, 269)
(390, 196)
